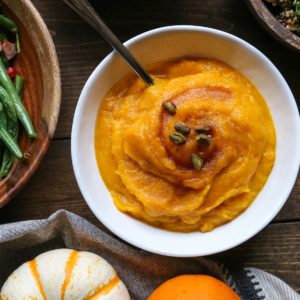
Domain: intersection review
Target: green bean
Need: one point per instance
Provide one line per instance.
(19, 84)
(4, 123)
(18, 47)
(13, 128)
(6, 137)
(11, 26)
(11, 144)
(2, 147)
(8, 24)
(7, 162)
(3, 35)
(11, 113)
(7, 159)
(22, 113)
(7, 156)
(3, 118)
(6, 62)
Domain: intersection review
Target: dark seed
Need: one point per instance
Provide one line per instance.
(177, 138)
(169, 107)
(182, 128)
(203, 129)
(204, 139)
(197, 161)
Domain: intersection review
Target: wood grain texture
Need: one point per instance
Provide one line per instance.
(276, 248)
(80, 49)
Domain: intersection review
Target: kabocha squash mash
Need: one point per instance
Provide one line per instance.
(189, 153)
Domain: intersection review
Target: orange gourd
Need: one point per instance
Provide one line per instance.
(65, 274)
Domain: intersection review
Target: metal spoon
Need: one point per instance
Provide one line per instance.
(84, 9)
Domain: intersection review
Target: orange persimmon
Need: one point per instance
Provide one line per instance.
(194, 287)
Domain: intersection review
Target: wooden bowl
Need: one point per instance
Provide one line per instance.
(38, 64)
(273, 26)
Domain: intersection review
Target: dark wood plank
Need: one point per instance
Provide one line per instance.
(291, 210)
(80, 49)
(276, 249)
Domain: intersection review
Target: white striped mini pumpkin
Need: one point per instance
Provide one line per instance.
(65, 274)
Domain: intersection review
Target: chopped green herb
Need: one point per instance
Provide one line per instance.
(298, 8)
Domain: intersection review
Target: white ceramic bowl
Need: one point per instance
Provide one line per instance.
(169, 43)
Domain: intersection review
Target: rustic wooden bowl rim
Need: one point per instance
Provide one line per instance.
(53, 81)
(273, 26)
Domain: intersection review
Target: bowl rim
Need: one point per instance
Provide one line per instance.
(75, 138)
(49, 47)
(263, 15)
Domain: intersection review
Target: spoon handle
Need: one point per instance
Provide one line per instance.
(84, 9)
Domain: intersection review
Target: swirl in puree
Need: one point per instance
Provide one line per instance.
(189, 153)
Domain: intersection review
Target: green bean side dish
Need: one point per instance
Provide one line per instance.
(12, 110)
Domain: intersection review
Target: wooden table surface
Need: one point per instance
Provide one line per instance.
(277, 248)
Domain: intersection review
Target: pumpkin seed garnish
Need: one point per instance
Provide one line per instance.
(203, 129)
(204, 139)
(197, 161)
(169, 107)
(177, 138)
(182, 128)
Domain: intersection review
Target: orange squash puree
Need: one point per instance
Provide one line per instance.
(153, 179)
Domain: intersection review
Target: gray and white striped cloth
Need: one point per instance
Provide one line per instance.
(141, 271)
